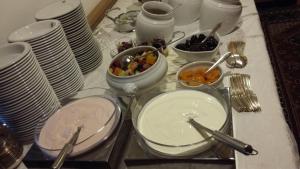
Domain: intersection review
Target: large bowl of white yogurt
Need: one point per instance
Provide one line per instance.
(160, 120)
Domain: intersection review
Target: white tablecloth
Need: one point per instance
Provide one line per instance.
(267, 130)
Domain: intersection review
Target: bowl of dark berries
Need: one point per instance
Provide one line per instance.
(191, 48)
(135, 74)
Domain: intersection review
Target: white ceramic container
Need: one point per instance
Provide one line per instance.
(196, 64)
(142, 81)
(192, 56)
(152, 24)
(185, 11)
(213, 12)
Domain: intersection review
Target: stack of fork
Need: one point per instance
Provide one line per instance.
(243, 98)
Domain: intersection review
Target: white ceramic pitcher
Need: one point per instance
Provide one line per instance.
(213, 12)
(185, 11)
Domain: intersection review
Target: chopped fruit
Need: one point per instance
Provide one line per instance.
(195, 76)
(141, 62)
(194, 44)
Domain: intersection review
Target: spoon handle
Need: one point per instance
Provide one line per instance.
(67, 149)
(236, 144)
(222, 58)
(214, 30)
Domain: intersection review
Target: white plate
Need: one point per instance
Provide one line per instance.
(34, 30)
(74, 14)
(59, 65)
(82, 33)
(65, 73)
(57, 32)
(31, 95)
(23, 116)
(86, 69)
(72, 19)
(18, 84)
(80, 39)
(90, 63)
(49, 40)
(84, 47)
(52, 52)
(63, 94)
(10, 54)
(19, 68)
(57, 9)
(90, 55)
(66, 81)
(72, 91)
(57, 59)
(56, 43)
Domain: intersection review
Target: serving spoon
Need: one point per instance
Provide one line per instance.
(219, 61)
(67, 149)
(236, 61)
(127, 59)
(225, 139)
(211, 33)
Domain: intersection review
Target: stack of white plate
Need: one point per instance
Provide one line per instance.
(71, 15)
(26, 94)
(54, 54)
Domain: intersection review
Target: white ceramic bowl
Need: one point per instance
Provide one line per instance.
(197, 64)
(192, 56)
(142, 81)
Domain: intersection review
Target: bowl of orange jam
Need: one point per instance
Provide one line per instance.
(193, 75)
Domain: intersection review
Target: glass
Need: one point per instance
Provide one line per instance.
(194, 148)
(91, 137)
(10, 149)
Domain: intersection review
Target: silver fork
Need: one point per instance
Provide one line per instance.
(244, 99)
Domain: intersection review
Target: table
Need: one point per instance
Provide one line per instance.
(267, 130)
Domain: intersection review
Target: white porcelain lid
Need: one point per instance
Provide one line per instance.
(57, 9)
(34, 30)
(11, 53)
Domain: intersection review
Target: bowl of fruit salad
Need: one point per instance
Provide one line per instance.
(146, 68)
(191, 48)
(193, 75)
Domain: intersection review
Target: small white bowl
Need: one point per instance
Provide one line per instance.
(192, 56)
(196, 64)
(140, 82)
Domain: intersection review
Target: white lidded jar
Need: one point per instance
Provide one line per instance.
(227, 12)
(155, 21)
(185, 11)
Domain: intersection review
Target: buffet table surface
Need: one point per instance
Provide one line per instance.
(267, 130)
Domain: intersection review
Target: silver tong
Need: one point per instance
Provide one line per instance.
(226, 139)
(67, 149)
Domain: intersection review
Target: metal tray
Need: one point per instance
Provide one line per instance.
(122, 151)
(106, 155)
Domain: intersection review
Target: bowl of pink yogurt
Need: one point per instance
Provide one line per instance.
(97, 113)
